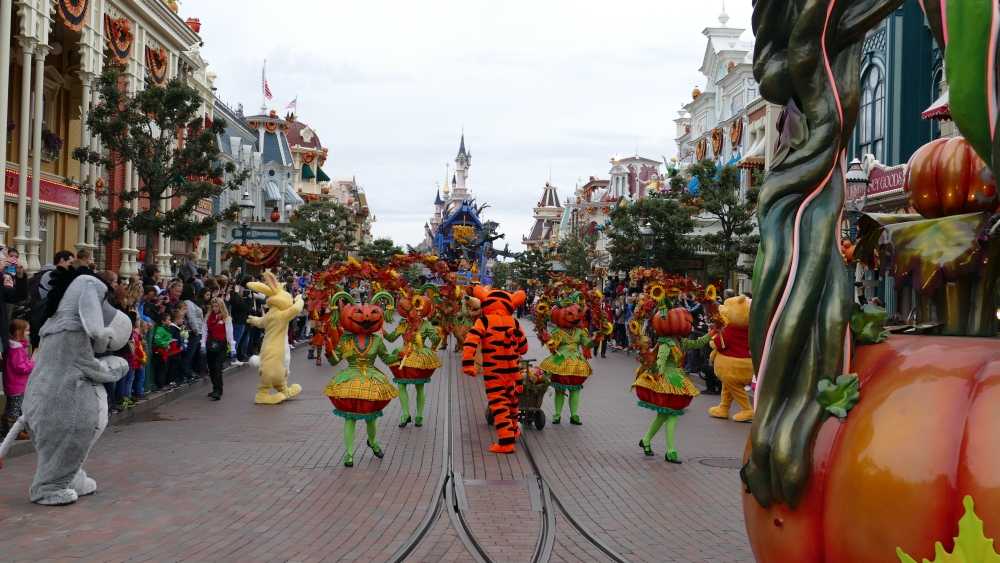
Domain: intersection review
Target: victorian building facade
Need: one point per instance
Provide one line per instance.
(53, 53)
(903, 105)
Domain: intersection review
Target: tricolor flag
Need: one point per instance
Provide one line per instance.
(263, 79)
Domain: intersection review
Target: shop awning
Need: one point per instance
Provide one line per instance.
(292, 197)
(307, 172)
(940, 109)
(272, 192)
(321, 176)
(755, 156)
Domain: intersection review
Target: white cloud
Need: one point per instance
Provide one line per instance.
(537, 85)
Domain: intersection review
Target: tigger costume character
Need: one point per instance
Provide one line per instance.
(503, 343)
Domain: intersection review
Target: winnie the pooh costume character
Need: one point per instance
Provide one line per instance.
(65, 404)
(731, 358)
(275, 356)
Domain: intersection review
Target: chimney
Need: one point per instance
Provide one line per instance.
(194, 24)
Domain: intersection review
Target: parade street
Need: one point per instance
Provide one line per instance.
(232, 481)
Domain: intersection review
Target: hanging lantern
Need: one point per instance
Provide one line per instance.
(275, 215)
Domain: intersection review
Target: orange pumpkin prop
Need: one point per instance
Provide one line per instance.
(925, 434)
(675, 322)
(947, 177)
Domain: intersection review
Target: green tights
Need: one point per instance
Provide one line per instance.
(654, 428)
(574, 403)
(349, 426)
(404, 401)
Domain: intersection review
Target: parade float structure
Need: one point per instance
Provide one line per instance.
(466, 241)
(865, 446)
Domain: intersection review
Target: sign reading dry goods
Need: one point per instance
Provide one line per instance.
(882, 180)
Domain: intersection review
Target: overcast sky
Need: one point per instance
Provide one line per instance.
(539, 85)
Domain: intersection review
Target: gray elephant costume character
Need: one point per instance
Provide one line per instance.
(65, 405)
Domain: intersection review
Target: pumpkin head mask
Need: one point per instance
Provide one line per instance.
(362, 318)
(569, 312)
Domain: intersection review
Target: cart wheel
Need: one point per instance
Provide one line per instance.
(539, 419)
(489, 417)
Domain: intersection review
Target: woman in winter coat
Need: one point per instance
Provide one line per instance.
(217, 340)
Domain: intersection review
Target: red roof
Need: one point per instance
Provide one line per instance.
(295, 136)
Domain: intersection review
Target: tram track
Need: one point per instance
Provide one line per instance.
(446, 497)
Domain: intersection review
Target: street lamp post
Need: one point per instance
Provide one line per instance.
(246, 213)
(646, 236)
(854, 206)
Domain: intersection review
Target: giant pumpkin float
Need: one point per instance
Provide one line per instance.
(866, 449)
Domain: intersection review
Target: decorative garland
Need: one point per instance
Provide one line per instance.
(254, 254)
(717, 142)
(73, 13)
(736, 134)
(156, 62)
(449, 295)
(118, 36)
(308, 157)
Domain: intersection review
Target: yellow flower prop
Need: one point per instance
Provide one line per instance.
(657, 292)
(635, 327)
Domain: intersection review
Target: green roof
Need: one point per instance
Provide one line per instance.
(321, 176)
(307, 173)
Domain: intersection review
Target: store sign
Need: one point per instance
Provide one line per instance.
(53, 193)
(204, 207)
(882, 180)
(256, 234)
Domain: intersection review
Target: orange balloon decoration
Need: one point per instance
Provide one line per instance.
(947, 177)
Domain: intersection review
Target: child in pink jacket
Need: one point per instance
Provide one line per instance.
(17, 367)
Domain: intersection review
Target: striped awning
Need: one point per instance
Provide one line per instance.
(272, 192)
(755, 156)
(292, 197)
(321, 176)
(940, 109)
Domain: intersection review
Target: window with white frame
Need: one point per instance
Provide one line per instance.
(871, 117)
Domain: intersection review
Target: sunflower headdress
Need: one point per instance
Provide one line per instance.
(564, 291)
(660, 293)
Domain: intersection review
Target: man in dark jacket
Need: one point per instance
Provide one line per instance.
(239, 310)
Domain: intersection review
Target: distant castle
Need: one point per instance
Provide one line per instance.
(455, 191)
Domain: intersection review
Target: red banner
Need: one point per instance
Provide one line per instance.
(881, 179)
(52, 192)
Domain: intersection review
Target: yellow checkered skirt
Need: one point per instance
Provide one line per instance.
(421, 359)
(362, 387)
(569, 366)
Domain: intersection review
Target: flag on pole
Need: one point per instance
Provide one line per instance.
(264, 84)
(293, 104)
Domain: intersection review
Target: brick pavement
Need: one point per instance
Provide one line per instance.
(644, 508)
(231, 481)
